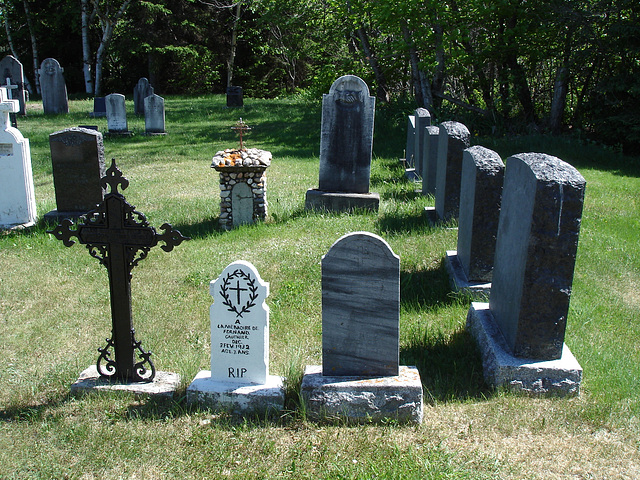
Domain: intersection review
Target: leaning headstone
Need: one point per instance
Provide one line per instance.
(423, 120)
(53, 87)
(99, 107)
(346, 144)
(521, 330)
(154, 115)
(17, 199)
(239, 379)
(471, 265)
(12, 70)
(141, 91)
(119, 237)
(116, 114)
(77, 158)
(360, 378)
(430, 159)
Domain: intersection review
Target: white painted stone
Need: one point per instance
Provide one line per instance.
(116, 113)
(154, 115)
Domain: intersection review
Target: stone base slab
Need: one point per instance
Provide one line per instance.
(460, 282)
(559, 377)
(163, 385)
(432, 215)
(363, 399)
(54, 216)
(412, 175)
(236, 398)
(341, 201)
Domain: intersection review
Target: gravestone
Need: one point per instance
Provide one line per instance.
(346, 144)
(430, 159)
(12, 69)
(453, 138)
(521, 330)
(119, 237)
(116, 114)
(360, 377)
(423, 120)
(234, 97)
(471, 265)
(411, 142)
(77, 158)
(154, 115)
(99, 107)
(241, 204)
(17, 199)
(239, 378)
(141, 91)
(53, 87)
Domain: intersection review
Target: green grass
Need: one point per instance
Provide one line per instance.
(54, 314)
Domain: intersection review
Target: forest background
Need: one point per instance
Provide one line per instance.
(503, 67)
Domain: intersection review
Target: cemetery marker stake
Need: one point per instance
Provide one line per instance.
(240, 128)
(119, 237)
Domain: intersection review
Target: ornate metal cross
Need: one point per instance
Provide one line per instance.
(119, 237)
(240, 128)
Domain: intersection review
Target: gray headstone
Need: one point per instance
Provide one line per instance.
(154, 114)
(116, 113)
(141, 91)
(430, 159)
(481, 191)
(241, 204)
(12, 69)
(542, 201)
(77, 158)
(360, 307)
(346, 139)
(453, 139)
(53, 87)
(423, 120)
(411, 141)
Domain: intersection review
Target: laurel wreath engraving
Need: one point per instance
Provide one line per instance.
(252, 289)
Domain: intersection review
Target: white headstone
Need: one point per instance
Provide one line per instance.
(154, 114)
(17, 199)
(116, 113)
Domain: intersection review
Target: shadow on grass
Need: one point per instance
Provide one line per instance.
(403, 222)
(426, 288)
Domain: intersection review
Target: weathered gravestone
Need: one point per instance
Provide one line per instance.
(411, 143)
(53, 87)
(423, 120)
(471, 265)
(239, 378)
(120, 237)
(454, 137)
(117, 114)
(77, 158)
(430, 159)
(99, 107)
(12, 70)
(521, 330)
(360, 377)
(154, 115)
(141, 91)
(17, 200)
(346, 144)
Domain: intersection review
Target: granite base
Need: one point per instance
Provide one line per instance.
(54, 216)
(459, 281)
(163, 385)
(341, 201)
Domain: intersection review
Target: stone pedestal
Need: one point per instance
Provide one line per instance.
(319, 200)
(459, 280)
(163, 385)
(243, 195)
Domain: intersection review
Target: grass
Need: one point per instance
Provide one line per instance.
(54, 312)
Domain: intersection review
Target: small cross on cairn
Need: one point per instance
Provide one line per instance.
(119, 237)
(240, 128)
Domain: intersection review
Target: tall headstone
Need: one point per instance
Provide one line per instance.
(536, 247)
(53, 87)
(239, 378)
(360, 378)
(117, 114)
(154, 115)
(17, 199)
(346, 144)
(11, 69)
(423, 120)
(411, 142)
(430, 159)
(141, 91)
(77, 158)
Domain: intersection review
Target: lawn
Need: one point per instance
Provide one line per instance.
(54, 312)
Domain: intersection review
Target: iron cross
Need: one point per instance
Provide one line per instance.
(240, 128)
(119, 237)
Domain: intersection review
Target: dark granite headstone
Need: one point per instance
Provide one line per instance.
(430, 160)
(234, 97)
(53, 87)
(360, 307)
(480, 194)
(99, 107)
(423, 120)
(542, 201)
(12, 69)
(453, 139)
(141, 91)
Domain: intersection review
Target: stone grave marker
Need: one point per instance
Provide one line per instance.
(411, 142)
(119, 237)
(471, 265)
(521, 330)
(239, 378)
(234, 97)
(117, 114)
(423, 120)
(430, 159)
(346, 144)
(360, 376)
(154, 115)
(12, 70)
(99, 107)
(77, 158)
(17, 199)
(141, 91)
(53, 87)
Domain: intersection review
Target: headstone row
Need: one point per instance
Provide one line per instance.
(116, 113)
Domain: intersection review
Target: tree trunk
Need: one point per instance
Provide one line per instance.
(437, 83)
(234, 43)
(559, 100)
(420, 84)
(382, 91)
(34, 46)
(86, 48)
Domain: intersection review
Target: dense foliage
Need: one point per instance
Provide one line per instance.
(509, 66)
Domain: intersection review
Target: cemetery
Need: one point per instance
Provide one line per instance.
(315, 325)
